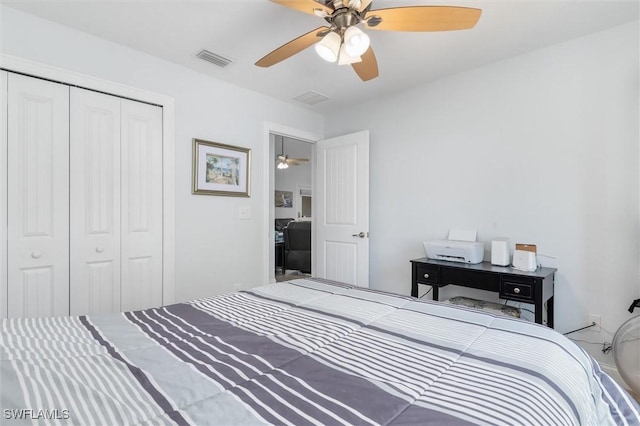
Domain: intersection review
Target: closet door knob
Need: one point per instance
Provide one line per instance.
(36, 254)
(99, 249)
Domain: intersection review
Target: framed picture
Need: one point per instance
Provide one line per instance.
(284, 198)
(220, 169)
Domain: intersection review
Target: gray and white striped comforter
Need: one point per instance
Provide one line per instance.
(303, 352)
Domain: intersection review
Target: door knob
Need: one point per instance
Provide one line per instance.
(361, 235)
(36, 254)
(99, 249)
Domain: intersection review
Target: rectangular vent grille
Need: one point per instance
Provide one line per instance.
(311, 97)
(214, 58)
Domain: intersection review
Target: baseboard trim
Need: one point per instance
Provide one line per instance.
(612, 371)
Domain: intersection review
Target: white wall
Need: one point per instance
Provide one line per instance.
(541, 148)
(215, 250)
(288, 179)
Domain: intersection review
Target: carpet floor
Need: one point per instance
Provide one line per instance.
(290, 276)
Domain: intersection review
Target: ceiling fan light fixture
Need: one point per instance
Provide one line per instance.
(320, 13)
(344, 59)
(345, 20)
(329, 47)
(356, 42)
(282, 165)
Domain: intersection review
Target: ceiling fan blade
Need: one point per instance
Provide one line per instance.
(291, 48)
(305, 6)
(293, 162)
(425, 18)
(367, 69)
(299, 159)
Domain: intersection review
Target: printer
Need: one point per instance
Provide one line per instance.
(455, 251)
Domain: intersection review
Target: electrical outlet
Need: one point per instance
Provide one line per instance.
(594, 319)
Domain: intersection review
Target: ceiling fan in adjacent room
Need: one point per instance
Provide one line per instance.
(345, 43)
(283, 161)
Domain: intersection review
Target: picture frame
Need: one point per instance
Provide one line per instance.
(283, 198)
(220, 169)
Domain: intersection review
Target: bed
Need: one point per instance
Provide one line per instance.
(302, 352)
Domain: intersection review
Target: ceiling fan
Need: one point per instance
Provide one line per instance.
(283, 161)
(344, 42)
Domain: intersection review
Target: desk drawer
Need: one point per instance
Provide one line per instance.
(520, 289)
(427, 273)
(466, 277)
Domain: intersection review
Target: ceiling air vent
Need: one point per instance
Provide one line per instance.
(311, 97)
(214, 58)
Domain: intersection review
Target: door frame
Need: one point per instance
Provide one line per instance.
(268, 167)
(4, 236)
(39, 70)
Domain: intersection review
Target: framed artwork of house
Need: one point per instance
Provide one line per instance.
(220, 169)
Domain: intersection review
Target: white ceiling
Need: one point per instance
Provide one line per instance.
(246, 30)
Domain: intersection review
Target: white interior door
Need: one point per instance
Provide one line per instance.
(95, 203)
(141, 198)
(342, 209)
(38, 197)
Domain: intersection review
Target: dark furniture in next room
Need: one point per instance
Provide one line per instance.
(297, 246)
(528, 287)
(282, 222)
(279, 256)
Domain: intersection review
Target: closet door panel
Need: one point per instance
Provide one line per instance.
(3, 194)
(38, 197)
(95, 203)
(141, 146)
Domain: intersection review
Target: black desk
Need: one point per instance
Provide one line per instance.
(529, 287)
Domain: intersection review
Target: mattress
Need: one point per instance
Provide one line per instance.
(301, 352)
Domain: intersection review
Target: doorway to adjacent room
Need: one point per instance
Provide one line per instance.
(293, 198)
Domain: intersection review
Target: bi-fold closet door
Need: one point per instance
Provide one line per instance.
(116, 204)
(37, 197)
(84, 201)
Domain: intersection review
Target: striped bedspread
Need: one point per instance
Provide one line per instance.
(302, 352)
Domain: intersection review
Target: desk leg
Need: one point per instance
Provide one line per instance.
(538, 303)
(539, 307)
(550, 312)
(434, 290)
(414, 282)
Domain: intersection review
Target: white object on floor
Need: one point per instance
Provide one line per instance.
(626, 352)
